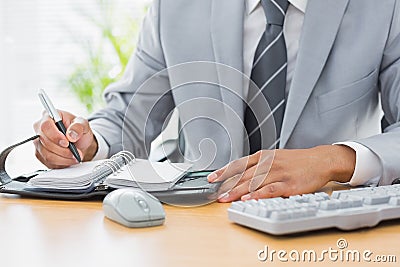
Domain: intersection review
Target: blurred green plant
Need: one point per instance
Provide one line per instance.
(105, 59)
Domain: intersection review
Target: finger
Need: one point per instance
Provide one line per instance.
(233, 168)
(257, 181)
(66, 117)
(229, 184)
(236, 181)
(213, 177)
(46, 127)
(235, 193)
(78, 127)
(42, 160)
(55, 148)
(50, 156)
(50, 159)
(276, 189)
(239, 179)
(264, 171)
(268, 177)
(255, 171)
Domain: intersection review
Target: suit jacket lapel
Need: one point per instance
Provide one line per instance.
(321, 23)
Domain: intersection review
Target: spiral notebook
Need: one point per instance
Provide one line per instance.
(122, 170)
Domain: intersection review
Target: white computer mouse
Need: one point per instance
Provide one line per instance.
(133, 207)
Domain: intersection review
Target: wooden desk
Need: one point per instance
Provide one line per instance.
(60, 233)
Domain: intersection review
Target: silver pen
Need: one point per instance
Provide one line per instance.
(53, 113)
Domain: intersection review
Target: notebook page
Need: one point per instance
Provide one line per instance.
(159, 175)
(74, 171)
(71, 177)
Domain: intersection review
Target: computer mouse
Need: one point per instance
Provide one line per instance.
(133, 207)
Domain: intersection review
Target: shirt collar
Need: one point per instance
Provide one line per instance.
(299, 4)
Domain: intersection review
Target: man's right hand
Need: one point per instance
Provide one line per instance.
(52, 146)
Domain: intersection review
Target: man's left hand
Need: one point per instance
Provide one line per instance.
(286, 172)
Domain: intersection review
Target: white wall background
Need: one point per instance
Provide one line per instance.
(37, 51)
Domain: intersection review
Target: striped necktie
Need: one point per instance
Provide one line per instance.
(269, 74)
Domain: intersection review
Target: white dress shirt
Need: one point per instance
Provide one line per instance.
(368, 169)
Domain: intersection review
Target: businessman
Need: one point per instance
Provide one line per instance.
(327, 68)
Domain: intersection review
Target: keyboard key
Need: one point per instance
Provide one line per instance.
(263, 212)
(250, 209)
(278, 201)
(238, 205)
(280, 215)
(376, 199)
(305, 212)
(336, 194)
(330, 204)
(348, 201)
(297, 213)
(311, 212)
(296, 198)
(252, 202)
(356, 201)
(394, 201)
(344, 204)
(321, 196)
(393, 193)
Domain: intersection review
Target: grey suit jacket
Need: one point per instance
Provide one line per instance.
(349, 55)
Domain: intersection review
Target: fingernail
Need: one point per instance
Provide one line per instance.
(63, 143)
(73, 134)
(223, 196)
(245, 197)
(212, 176)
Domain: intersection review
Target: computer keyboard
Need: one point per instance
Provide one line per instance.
(346, 210)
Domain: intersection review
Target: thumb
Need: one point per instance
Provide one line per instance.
(78, 127)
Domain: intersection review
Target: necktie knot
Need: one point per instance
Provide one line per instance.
(275, 11)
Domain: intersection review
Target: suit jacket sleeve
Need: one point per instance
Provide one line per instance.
(387, 145)
(134, 114)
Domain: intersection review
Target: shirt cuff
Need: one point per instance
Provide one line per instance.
(102, 147)
(368, 169)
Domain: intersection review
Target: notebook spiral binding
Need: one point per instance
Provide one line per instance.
(112, 166)
(127, 156)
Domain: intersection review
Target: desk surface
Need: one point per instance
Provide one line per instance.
(61, 233)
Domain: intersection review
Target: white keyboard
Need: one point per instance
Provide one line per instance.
(346, 210)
